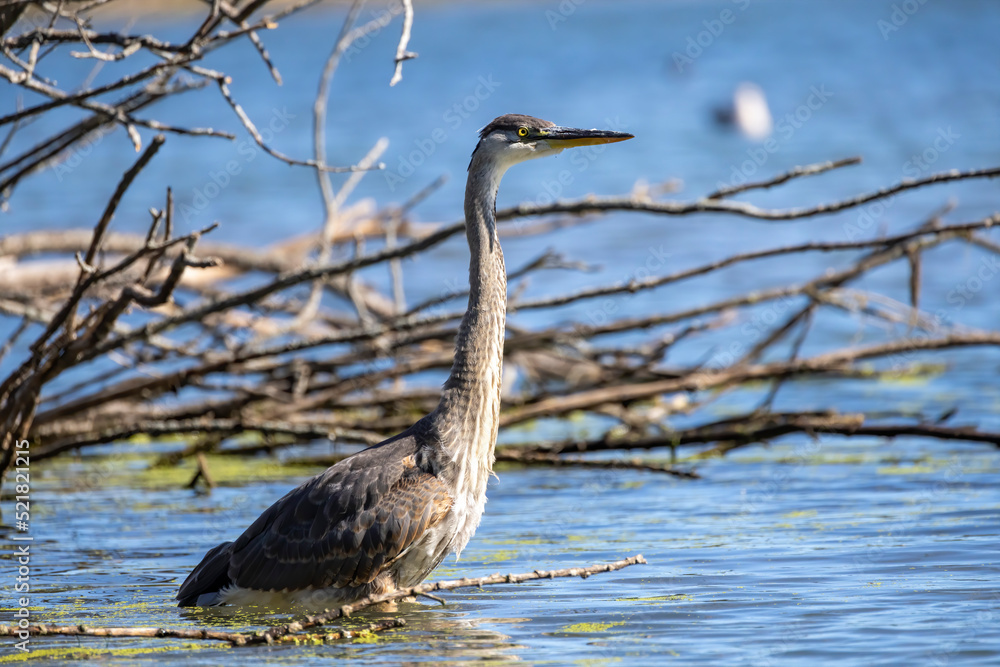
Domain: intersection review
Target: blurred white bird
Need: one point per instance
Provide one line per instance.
(749, 112)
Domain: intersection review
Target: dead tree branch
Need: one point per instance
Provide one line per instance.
(282, 632)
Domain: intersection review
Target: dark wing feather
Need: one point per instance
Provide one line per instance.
(342, 528)
(211, 575)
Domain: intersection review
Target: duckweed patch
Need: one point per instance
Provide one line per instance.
(907, 470)
(97, 652)
(520, 541)
(585, 628)
(500, 556)
(366, 637)
(137, 470)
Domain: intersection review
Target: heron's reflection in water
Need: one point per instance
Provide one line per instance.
(456, 635)
(452, 632)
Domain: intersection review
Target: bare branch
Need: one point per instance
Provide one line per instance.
(797, 172)
(234, 638)
(402, 55)
(605, 204)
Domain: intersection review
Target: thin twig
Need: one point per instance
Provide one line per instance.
(402, 55)
(797, 172)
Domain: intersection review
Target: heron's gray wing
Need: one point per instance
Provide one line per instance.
(211, 575)
(341, 528)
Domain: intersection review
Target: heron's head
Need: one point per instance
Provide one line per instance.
(514, 138)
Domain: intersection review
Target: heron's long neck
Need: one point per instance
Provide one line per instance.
(470, 402)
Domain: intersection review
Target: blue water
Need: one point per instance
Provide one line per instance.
(860, 552)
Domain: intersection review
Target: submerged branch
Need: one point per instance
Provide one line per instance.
(281, 632)
(476, 582)
(233, 638)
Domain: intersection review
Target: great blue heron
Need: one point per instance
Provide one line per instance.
(388, 515)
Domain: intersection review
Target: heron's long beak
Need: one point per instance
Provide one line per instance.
(568, 137)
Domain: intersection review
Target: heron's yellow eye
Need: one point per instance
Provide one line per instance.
(522, 131)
